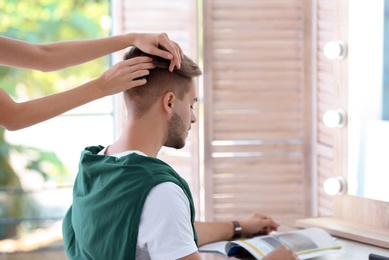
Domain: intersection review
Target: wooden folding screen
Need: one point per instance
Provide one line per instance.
(257, 61)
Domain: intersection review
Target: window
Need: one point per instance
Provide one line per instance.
(39, 163)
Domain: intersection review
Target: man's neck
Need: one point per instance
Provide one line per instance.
(138, 136)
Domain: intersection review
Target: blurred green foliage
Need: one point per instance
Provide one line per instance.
(43, 21)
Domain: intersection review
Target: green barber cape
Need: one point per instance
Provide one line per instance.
(108, 197)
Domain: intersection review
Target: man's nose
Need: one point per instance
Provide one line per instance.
(194, 119)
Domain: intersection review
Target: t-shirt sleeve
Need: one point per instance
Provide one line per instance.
(165, 229)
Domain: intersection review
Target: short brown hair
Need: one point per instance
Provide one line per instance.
(160, 81)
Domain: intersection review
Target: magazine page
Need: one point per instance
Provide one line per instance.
(306, 243)
(249, 248)
(216, 247)
(310, 242)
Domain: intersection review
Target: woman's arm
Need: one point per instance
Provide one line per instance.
(55, 56)
(14, 116)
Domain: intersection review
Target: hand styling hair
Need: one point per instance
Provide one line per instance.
(160, 81)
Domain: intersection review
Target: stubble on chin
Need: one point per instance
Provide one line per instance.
(176, 132)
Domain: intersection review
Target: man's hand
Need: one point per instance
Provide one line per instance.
(281, 253)
(258, 224)
(150, 44)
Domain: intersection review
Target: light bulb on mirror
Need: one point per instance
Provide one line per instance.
(334, 118)
(335, 50)
(335, 186)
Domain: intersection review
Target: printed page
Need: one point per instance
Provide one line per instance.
(310, 242)
(218, 247)
(306, 243)
(256, 247)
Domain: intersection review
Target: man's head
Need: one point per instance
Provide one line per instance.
(173, 91)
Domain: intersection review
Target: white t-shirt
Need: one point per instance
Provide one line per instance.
(165, 230)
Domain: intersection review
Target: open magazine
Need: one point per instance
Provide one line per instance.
(306, 243)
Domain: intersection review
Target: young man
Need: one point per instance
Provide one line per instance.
(127, 204)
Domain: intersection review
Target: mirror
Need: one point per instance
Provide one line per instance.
(368, 92)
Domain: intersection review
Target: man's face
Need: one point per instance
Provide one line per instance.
(180, 123)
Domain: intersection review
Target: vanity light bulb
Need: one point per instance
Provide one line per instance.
(335, 50)
(334, 186)
(331, 118)
(334, 118)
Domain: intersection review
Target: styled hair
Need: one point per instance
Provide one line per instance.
(160, 81)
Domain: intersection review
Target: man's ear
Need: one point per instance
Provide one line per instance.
(169, 101)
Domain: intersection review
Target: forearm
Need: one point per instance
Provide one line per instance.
(65, 54)
(209, 232)
(123, 75)
(255, 224)
(21, 115)
(55, 56)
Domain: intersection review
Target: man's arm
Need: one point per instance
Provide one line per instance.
(255, 224)
(194, 256)
(209, 232)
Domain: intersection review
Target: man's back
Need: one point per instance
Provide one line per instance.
(109, 194)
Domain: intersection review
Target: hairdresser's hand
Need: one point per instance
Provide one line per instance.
(124, 75)
(150, 43)
(281, 253)
(258, 224)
